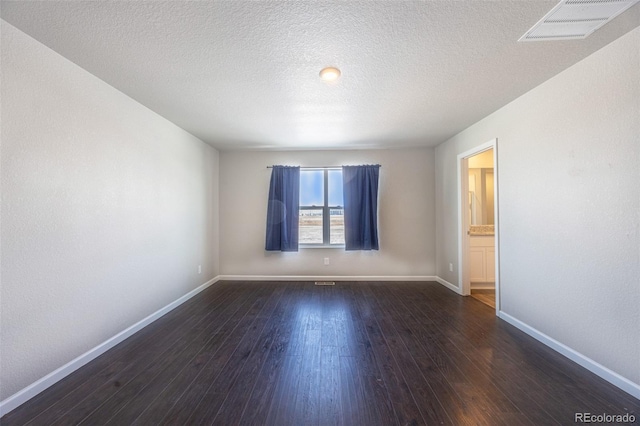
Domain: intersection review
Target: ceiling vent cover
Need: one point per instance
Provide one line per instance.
(576, 19)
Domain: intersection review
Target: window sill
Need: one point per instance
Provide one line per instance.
(320, 246)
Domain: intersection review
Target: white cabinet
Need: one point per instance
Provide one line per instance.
(477, 264)
(482, 259)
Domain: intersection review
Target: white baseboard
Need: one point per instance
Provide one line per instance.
(600, 370)
(448, 285)
(35, 388)
(327, 278)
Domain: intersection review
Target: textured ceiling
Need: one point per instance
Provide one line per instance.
(244, 75)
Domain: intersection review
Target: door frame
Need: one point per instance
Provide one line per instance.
(464, 283)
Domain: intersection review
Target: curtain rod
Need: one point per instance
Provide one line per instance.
(325, 167)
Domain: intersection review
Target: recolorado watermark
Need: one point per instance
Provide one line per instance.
(604, 418)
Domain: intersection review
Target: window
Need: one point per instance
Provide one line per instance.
(321, 207)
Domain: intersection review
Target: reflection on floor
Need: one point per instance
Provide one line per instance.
(486, 296)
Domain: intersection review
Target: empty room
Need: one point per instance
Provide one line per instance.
(319, 212)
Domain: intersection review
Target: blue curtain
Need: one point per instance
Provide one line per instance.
(360, 190)
(283, 208)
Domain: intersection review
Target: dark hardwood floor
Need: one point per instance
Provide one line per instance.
(273, 353)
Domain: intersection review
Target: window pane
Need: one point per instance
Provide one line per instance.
(337, 226)
(310, 226)
(312, 188)
(335, 188)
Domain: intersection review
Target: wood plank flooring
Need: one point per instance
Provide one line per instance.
(488, 296)
(358, 353)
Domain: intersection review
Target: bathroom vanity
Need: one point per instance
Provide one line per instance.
(482, 256)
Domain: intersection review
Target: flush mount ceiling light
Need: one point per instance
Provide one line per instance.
(576, 19)
(330, 74)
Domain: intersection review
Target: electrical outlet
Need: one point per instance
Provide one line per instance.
(451, 267)
(326, 260)
(199, 269)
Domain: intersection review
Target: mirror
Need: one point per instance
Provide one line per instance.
(481, 196)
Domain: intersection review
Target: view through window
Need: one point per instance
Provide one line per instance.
(321, 219)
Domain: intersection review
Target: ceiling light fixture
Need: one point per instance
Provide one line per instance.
(330, 74)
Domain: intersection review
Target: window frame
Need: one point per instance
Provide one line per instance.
(326, 211)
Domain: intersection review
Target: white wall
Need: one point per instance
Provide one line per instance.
(107, 211)
(406, 215)
(569, 194)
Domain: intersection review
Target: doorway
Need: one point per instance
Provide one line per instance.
(478, 224)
